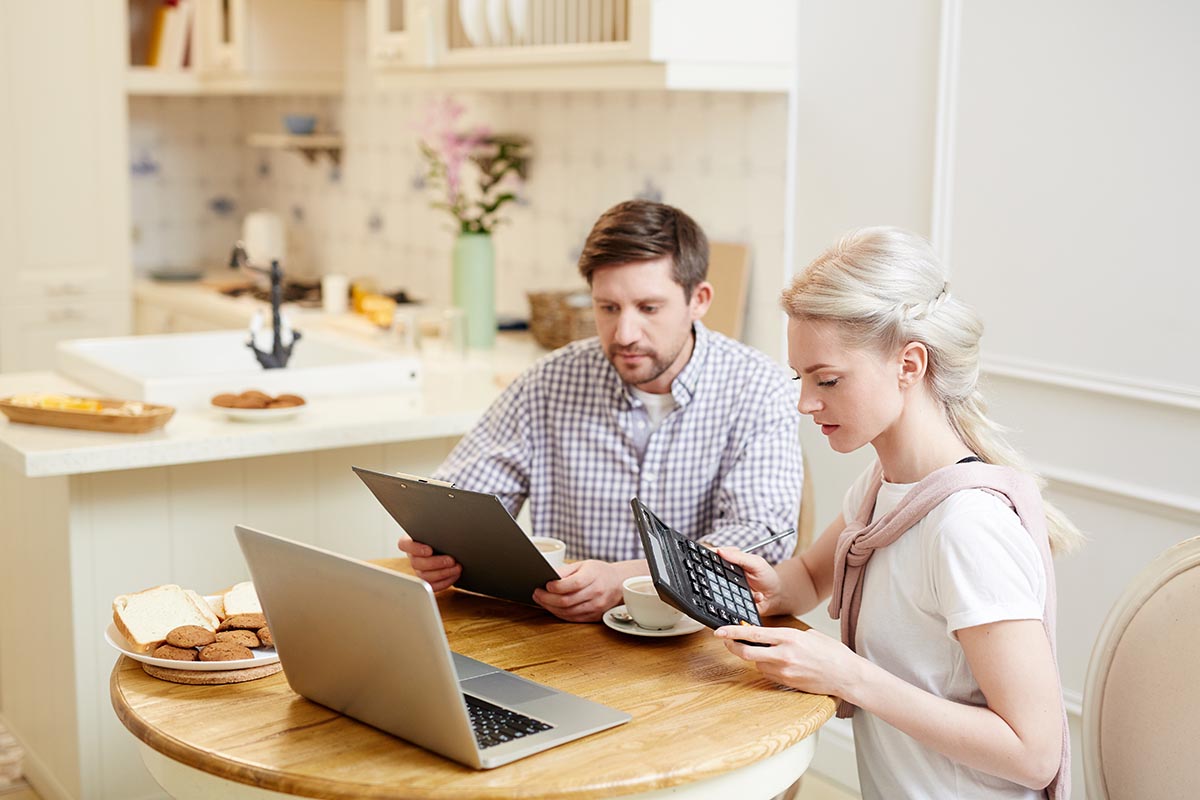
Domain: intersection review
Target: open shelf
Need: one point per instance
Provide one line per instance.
(309, 145)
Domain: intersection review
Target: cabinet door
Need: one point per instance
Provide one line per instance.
(64, 188)
(30, 333)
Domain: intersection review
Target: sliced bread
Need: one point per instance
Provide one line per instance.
(145, 618)
(206, 606)
(242, 599)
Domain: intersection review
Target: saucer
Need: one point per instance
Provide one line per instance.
(685, 625)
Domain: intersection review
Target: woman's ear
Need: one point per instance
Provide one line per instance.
(914, 361)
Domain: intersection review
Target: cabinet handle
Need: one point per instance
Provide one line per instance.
(64, 315)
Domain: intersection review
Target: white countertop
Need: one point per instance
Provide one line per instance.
(453, 394)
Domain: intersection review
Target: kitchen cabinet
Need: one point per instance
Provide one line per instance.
(64, 195)
(243, 47)
(563, 45)
(30, 333)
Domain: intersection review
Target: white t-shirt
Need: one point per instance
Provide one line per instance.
(968, 562)
(658, 406)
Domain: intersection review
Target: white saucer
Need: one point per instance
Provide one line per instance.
(260, 414)
(685, 625)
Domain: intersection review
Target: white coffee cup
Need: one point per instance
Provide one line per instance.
(335, 291)
(554, 550)
(643, 604)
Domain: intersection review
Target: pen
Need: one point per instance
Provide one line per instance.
(774, 538)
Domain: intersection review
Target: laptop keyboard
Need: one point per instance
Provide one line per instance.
(495, 725)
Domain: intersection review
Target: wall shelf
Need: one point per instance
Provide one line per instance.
(310, 145)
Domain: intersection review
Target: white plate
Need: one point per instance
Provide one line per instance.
(685, 625)
(519, 19)
(118, 643)
(497, 21)
(473, 15)
(260, 414)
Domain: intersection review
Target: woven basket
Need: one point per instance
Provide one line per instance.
(556, 318)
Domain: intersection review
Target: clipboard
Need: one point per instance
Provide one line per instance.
(497, 558)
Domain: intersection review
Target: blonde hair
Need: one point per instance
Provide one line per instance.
(885, 287)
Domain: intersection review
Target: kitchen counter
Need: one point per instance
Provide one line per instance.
(453, 393)
(89, 516)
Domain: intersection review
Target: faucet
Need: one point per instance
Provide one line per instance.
(279, 355)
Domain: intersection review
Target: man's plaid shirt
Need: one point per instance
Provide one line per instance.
(569, 437)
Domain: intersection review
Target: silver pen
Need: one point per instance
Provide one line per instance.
(765, 542)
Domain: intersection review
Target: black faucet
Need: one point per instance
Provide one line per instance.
(279, 355)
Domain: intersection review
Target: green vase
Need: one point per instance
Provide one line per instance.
(475, 287)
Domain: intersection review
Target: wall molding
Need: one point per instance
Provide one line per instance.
(943, 148)
(1183, 508)
(1145, 391)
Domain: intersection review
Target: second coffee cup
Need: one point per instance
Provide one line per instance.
(643, 604)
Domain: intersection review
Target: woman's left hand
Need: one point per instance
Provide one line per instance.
(806, 660)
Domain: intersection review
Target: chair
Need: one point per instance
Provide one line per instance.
(806, 519)
(1141, 703)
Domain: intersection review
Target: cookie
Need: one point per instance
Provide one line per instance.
(264, 636)
(225, 400)
(190, 636)
(176, 653)
(242, 637)
(245, 622)
(250, 402)
(288, 400)
(225, 651)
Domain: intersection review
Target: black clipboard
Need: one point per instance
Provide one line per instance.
(497, 558)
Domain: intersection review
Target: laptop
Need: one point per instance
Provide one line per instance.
(497, 558)
(368, 643)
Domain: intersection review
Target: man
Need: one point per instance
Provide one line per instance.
(702, 428)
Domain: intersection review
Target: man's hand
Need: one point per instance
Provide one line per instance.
(585, 590)
(440, 572)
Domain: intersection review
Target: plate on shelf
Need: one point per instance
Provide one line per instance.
(111, 416)
(261, 657)
(497, 21)
(473, 14)
(519, 18)
(260, 414)
(685, 625)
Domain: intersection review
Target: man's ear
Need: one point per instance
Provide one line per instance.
(913, 363)
(701, 299)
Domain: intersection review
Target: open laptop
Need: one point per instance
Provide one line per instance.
(497, 558)
(369, 643)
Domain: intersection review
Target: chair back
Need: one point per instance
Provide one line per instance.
(806, 520)
(1141, 706)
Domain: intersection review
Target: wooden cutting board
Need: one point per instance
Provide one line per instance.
(729, 274)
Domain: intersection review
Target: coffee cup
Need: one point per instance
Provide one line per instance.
(643, 604)
(553, 550)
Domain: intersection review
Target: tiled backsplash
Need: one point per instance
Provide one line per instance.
(720, 157)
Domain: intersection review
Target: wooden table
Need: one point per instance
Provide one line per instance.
(702, 721)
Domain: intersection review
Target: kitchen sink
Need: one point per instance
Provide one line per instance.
(186, 369)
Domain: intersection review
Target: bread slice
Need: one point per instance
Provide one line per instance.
(145, 618)
(206, 608)
(242, 599)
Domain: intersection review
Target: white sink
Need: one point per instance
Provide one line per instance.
(186, 369)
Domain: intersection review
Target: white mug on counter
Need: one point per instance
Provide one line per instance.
(335, 293)
(553, 550)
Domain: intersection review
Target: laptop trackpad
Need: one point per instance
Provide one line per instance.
(505, 689)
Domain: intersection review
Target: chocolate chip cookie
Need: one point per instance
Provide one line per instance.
(245, 622)
(225, 651)
(243, 637)
(190, 636)
(175, 653)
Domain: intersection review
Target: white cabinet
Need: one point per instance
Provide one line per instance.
(583, 44)
(64, 192)
(244, 47)
(29, 333)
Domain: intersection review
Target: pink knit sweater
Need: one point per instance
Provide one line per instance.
(862, 537)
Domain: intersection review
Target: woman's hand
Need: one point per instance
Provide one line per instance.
(765, 584)
(806, 660)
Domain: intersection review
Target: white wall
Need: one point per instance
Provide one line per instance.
(1068, 194)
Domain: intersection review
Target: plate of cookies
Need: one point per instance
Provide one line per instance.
(253, 405)
(166, 626)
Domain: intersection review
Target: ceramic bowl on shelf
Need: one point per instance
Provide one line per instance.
(300, 124)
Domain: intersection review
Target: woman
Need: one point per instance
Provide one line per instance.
(946, 595)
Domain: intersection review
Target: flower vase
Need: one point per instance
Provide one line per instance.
(475, 287)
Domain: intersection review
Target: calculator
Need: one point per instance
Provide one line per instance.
(693, 578)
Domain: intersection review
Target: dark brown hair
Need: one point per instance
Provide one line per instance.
(641, 230)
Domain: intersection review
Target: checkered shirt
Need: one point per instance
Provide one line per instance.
(570, 437)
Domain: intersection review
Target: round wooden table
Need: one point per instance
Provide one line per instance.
(704, 724)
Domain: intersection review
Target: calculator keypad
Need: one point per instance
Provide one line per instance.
(718, 587)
